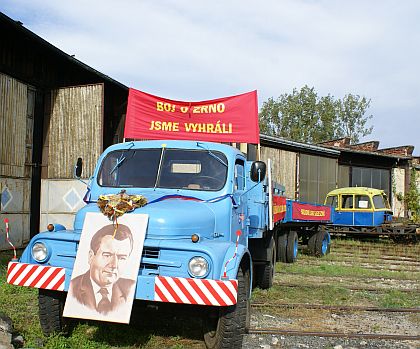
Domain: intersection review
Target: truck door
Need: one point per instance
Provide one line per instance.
(239, 210)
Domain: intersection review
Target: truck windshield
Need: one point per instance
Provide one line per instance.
(180, 169)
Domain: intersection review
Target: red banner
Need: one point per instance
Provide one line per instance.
(307, 212)
(228, 119)
(279, 208)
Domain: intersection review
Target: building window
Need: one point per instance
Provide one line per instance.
(371, 178)
(317, 177)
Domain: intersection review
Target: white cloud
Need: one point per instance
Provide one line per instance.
(196, 50)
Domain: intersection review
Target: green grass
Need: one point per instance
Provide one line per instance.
(324, 268)
(149, 332)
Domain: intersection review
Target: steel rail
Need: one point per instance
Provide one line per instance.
(352, 288)
(351, 256)
(386, 266)
(279, 331)
(346, 276)
(335, 307)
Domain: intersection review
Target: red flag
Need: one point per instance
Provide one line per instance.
(228, 119)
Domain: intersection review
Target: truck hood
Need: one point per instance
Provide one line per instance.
(169, 218)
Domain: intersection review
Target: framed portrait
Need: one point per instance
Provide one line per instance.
(104, 277)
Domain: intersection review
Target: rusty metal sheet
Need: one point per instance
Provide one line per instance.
(13, 127)
(75, 130)
(60, 200)
(15, 205)
(283, 168)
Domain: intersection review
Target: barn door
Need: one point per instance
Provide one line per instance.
(16, 126)
(73, 128)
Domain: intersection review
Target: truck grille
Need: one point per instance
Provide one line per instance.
(151, 253)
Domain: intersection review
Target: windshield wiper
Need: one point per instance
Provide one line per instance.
(211, 153)
(162, 153)
(123, 158)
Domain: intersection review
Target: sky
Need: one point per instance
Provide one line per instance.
(199, 50)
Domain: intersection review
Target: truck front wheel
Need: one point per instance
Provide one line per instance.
(225, 327)
(51, 305)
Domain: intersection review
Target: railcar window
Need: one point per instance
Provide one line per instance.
(332, 201)
(362, 201)
(347, 201)
(379, 201)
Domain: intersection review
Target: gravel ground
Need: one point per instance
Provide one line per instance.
(296, 342)
(315, 320)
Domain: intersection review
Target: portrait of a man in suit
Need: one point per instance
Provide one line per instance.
(101, 288)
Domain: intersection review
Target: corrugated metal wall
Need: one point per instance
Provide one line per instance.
(284, 168)
(75, 130)
(16, 120)
(13, 119)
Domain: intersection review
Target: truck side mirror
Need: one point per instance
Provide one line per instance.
(258, 171)
(78, 168)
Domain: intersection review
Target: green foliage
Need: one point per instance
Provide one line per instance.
(306, 117)
(412, 198)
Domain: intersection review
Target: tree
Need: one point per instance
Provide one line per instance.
(305, 117)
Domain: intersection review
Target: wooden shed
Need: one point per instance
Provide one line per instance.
(53, 109)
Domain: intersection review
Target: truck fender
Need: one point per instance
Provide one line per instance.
(232, 262)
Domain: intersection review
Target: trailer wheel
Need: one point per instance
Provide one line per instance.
(265, 272)
(51, 305)
(311, 244)
(292, 247)
(281, 248)
(322, 246)
(224, 327)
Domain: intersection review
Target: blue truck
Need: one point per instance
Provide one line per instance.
(216, 227)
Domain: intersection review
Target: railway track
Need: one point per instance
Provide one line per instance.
(352, 288)
(347, 276)
(351, 257)
(285, 332)
(347, 308)
(384, 267)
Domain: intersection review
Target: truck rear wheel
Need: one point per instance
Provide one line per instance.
(322, 245)
(225, 327)
(265, 272)
(281, 248)
(292, 247)
(51, 305)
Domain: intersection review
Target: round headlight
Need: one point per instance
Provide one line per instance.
(39, 251)
(198, 266)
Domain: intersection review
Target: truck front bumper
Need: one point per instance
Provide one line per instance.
(152, 288)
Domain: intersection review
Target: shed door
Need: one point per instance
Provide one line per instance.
(73, 128)
(16, 125)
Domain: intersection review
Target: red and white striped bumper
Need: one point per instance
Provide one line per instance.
(38, 276)
(196, 291)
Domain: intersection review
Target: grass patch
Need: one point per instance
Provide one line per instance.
(149, 331)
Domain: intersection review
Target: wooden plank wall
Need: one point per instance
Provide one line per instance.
(75, 130)
(283, 168)
(13, 127)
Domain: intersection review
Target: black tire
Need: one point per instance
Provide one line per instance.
(281, 248)
(311, 244)
(265, 274)
(323, 243)
(292, 247)
(51, 305)
(225, 327)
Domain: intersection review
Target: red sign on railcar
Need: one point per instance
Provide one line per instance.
(228, 119)
(307, 212)
(279, 208)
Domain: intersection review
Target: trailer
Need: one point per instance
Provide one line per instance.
(365, 212)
